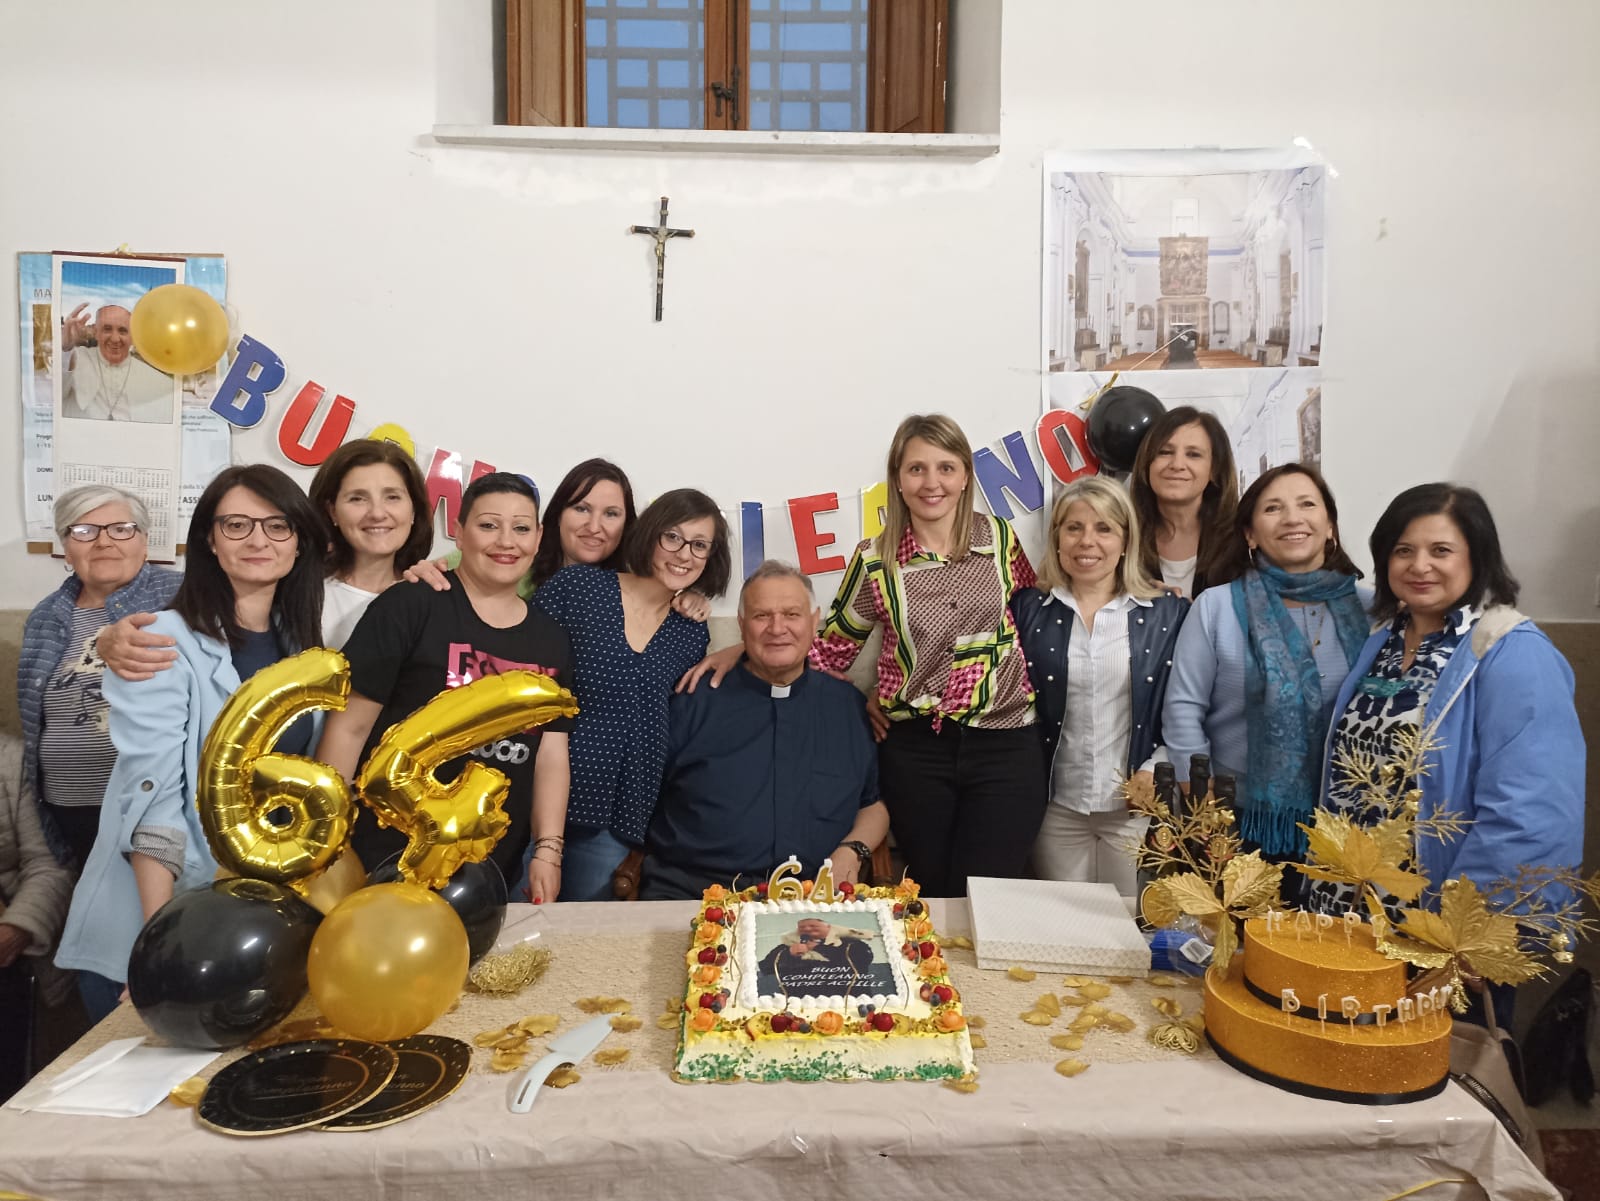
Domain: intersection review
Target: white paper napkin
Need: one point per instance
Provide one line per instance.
(122, 1079)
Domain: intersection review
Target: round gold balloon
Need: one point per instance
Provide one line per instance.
(328, 887)
(243, 786)
(387, 961)
(447, 825)
(179, 329)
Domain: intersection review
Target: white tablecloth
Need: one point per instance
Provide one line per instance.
(1189, 1128)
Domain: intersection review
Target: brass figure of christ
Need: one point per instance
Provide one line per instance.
(661, 232)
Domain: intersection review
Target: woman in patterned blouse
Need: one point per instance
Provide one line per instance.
(1452, 656)
(961, 767)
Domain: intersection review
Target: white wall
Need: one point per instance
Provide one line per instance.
(489, 299)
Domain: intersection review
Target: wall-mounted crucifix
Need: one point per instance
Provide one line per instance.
(661, 232)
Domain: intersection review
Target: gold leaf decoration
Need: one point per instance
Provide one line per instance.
(1067, 1042)
(978, 1041)
(1083, 1022)
(603, 1004)
(187, 1095)
(1226, 944)
(1076, 981)
(1191, 894)
(958, 940)
(962, 1086)
(1022, 974)
(1176, 1036)
(1094, 992)
(561, 1078)
(1463, 938)
(1071, 1067)
(976, 1022)
(538, 1024)
(668, 1021)
(1167, 1006)
(610, 1056)
(510, 971)
(1048, 1003)
(1161, 980)
(1120, 1022)
(1035, 1018)
(1343, 852)
(1119, 979)
(1250, 885)
(508, 1061)
(626, 1023)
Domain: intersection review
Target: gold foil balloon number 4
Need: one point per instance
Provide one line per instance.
(265, 815)
(447, 825)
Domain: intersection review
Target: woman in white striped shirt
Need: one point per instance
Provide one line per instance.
(1098, 634)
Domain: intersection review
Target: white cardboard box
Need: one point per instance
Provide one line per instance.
(1054, 926)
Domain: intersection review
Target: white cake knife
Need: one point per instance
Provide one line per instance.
(572, 1047)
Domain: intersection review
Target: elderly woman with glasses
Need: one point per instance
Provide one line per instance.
(67, 752)
(251, 595)
(629, 647)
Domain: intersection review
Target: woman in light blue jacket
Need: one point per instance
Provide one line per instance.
(251, 594)
(1452, 654)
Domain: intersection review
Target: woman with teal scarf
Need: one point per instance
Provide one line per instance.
(1259, 662)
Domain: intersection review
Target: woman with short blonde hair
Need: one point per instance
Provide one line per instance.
(1099, 637)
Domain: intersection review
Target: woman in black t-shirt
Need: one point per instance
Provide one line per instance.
(414, 643)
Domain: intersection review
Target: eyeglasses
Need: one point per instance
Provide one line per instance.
(87, 531)
(673, 541)
(236, 527)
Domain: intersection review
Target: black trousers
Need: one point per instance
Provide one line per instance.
(16, 1026)
(963, 801)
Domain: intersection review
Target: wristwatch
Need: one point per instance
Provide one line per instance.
(863, 854)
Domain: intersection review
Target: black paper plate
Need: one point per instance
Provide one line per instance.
(296, 1085)
(431, 1068)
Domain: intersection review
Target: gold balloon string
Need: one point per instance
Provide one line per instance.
(1088, 404)
(1422, 1188)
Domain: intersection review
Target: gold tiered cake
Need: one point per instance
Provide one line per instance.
(1320, 1011)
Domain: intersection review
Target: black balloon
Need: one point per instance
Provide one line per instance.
(215, 966)
(477, 892)
(1117, 424)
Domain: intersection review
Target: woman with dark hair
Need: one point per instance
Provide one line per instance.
(592, 507)
(1454, 658)
(1185, 491)
(251, 594)
(376, 504)
(376, 500)
(630, 647)
(413, 642)
(1258, 663)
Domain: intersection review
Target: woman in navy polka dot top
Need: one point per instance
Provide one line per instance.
(629, 649)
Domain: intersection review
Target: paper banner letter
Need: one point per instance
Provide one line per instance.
(257, 371)
(1064, 443)
(997, 477)
(297, 418)
(445, 484)
(752, 536)
(398, 434)
(808, 540)
(874, 510)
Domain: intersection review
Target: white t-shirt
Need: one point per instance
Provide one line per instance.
(1179, 574)
(342, 606)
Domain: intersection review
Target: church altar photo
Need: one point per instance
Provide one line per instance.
(460, 865)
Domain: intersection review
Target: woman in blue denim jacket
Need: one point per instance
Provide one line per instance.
(1098, 637)
(251, 594)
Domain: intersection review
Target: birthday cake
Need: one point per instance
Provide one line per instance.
(1320, 1011)
(791, 980)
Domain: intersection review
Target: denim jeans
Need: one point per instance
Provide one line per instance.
(587, 861)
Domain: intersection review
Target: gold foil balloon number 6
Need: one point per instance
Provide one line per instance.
(447, 825)
(265, 815)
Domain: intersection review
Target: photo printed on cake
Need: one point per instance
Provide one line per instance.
(822, 954)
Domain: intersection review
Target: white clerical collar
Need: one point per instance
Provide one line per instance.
(779, 691)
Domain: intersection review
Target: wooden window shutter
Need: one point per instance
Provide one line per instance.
(907, 48)
(544, 62)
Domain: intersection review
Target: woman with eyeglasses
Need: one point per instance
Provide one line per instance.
(251, 595)
(67, 752)
(629, 647)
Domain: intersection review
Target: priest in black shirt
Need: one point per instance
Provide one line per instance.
(778, 760)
